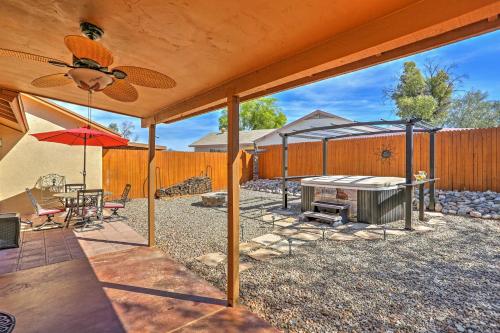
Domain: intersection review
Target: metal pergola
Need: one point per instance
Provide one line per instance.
(361, 129)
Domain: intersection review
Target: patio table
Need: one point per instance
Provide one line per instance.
(72, 196)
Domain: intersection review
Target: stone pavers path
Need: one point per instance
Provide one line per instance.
(289, 234)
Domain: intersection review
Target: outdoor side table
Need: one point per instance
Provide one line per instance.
(10, 230)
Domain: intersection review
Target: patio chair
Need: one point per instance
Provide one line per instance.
(48, 185)
(48, 213)
(90, 205)
(118, 204)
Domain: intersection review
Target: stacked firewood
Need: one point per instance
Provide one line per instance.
(193, 185)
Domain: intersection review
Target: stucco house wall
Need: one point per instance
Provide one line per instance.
(23, 159)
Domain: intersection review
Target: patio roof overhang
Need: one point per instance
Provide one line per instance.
(247, 48)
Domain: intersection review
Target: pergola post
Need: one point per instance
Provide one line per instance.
(284, 171)
(432, 170)
(151, 184)
(233, 201)
(409, 174)
(325, 155)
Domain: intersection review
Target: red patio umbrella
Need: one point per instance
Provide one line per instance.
(83, 136)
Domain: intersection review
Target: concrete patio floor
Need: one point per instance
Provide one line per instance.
(109, 281)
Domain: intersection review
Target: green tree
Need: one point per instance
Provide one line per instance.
(125, 129)
(473, 110)
(261, 113)
(429, 96)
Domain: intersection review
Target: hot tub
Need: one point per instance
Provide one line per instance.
(374, 200)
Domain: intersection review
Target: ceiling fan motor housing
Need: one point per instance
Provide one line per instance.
(92, 31)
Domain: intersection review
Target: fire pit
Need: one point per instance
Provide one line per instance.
(214, 199)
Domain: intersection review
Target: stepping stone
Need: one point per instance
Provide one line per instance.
(340, 236)
(284, 223)
(267, 239)
(269, 218)
(434, 214)
(391, 231)
(305, 236)
(264, 254)
(212, 259)
(367, 235)
(315, 227)
(436, 222)
(248, 246)
(285, 231)
(422, 228)
(244, 266)
(357, 225)
(283, 245)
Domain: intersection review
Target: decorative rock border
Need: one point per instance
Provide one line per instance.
(484, 205)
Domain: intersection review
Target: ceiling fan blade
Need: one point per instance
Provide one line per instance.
(53, 80)
(27, 56)
(122, 91)
(147, 77)
(84, 48)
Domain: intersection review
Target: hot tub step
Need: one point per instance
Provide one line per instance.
(329, 205)
(330, 218)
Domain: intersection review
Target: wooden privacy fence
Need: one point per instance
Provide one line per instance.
(123, 166)
(465, 159)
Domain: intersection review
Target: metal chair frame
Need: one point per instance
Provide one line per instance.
(49, 184)
(123, 199)
(90, 204)
(71, 204)
(38, 208)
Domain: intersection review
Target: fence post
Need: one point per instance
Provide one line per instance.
(325, 155)
(432, 169)
(409, 173)
(284, 171)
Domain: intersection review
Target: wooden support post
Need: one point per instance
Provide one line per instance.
(421, 204)
(409, 174)
(151, 184)
(284, 172)
(233, 201)
(432, 170)
(325, 155)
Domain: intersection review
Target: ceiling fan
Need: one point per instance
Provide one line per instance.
(90, 68)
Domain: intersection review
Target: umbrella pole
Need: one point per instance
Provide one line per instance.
(84, 160)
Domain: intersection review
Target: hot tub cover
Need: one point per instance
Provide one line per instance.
(368, 183)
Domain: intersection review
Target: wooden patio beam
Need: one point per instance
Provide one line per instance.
(233, 201)
(151, 184)
(435, 17)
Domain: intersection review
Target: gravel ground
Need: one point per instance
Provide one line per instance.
(446, 280)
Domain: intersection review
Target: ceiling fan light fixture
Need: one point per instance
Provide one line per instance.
(90, 79)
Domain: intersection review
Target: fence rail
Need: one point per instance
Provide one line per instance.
(465, 159)
(123, 166)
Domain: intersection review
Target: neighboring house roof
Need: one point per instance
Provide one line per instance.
(220, 139)
(317, 114)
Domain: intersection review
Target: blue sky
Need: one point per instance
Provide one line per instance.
(358, 96)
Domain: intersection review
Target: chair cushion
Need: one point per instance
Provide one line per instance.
(44, 212)
(113, 205)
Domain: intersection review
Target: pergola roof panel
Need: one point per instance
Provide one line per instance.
(212, 49)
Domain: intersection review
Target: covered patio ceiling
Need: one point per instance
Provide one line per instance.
(214, 49)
